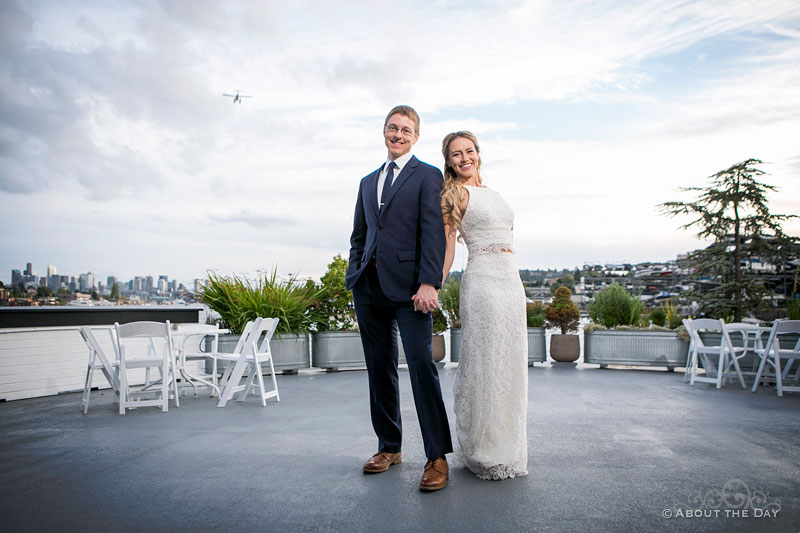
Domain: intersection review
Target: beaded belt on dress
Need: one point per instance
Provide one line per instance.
(491, 249)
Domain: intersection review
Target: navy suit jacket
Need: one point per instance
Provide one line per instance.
(406, 238)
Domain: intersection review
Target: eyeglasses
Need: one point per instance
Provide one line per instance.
(391, 128)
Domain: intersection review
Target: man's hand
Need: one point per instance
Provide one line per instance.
(426, 299)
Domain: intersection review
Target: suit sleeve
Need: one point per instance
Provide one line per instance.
(359, 236)
(432, 238)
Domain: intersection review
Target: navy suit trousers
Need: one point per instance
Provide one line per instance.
(377, 316)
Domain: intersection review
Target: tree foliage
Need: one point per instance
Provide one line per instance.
(562, 312)
(335, 301)
(450, 299)
(732, 210)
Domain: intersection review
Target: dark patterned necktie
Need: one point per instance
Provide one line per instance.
(387, 185)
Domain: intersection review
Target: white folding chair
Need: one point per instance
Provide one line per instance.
(98, 360)
(251, 355)
(158, 353)
(749, 333)
(780, 358)
(691, 355)
(715, 358)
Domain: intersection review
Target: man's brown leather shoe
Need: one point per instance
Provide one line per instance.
(435, 475)
(381, 461)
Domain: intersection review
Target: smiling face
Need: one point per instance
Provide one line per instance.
(463, 158)
(400, 134)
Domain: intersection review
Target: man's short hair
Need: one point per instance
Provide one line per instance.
(406, 111)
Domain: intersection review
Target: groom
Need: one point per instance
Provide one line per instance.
(395, 271)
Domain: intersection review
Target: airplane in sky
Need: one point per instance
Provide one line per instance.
(236, 97)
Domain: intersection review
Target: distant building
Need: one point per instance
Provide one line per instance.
(86, 282)
(16, 278)
(29, 270)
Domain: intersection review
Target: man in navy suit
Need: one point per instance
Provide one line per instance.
(395, 272)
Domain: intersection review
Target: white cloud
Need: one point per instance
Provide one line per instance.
(115, 128)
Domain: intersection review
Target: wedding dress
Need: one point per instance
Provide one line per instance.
(491, 387)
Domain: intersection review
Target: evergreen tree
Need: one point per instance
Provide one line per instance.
(732, 209)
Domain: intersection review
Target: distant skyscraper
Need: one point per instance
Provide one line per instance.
(149, 286)
(162, 285)
(87, 282)
(16, 278)
(51, 271)
(74, 283)
(29, 270)
(53, 281)
(111, 281)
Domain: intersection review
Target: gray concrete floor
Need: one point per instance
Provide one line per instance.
(609, 450)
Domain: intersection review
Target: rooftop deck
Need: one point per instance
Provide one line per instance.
(609, 450)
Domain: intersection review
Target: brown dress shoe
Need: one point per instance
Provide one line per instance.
(381, 461)
(435, 475)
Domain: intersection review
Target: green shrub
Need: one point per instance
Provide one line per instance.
(336, 311)
(562, 312)
(672, 312)
(536, 315)
(450, 299)
(658, 317)
(613, 306)
(439, 321)
(238, 300)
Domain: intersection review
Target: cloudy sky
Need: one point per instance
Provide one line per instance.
(119, 154)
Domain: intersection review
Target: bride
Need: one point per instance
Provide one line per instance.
(491, 388)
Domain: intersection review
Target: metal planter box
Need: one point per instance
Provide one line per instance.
(333, 350)
(537, 350)
(635, 348)
(289, 352)
(455, 344)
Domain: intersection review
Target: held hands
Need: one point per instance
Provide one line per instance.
(426, 299)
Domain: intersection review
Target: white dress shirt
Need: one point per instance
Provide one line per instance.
(400, 162)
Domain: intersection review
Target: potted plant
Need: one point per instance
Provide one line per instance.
(237, 300)
(439, 327)
(537, 351)
(562, 313)
(620, 334)
(450, 299)
(336, 343)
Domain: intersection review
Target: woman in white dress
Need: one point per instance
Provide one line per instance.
(491, 388)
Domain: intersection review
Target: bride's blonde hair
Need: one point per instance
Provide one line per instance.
(452, 188)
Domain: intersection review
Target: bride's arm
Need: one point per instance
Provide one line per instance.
(450, 250)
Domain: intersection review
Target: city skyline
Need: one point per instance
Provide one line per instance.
(90, 280)
(119, 152)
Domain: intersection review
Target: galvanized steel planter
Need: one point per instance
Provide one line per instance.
(333, 350)
(289, 351)
(537, 350)
(455, 344)
(635, 348)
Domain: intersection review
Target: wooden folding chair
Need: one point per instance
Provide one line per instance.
(779, 357)
(250, 354)
(158, 353)
(715, 358)
(98, 360)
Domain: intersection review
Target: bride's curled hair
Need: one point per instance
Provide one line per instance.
(452, 190)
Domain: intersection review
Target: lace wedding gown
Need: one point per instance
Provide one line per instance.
(491, 387)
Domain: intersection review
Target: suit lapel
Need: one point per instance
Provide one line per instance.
(371, 191)
(398, 182)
